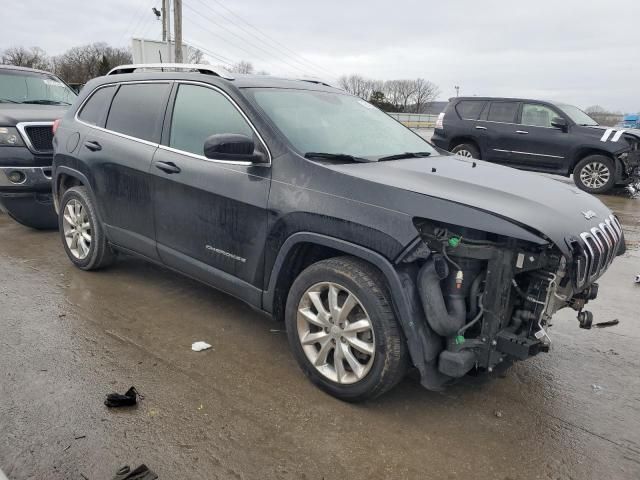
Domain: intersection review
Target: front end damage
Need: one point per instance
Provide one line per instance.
(488, 300)
(629, 159)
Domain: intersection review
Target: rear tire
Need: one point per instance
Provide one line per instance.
(595, 174)
(468, 150)
(82, 235)
(331, 347)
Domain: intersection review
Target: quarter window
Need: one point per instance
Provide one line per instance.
(138, 109)
(200, 112)
(469, 109)
(537, 115)
(504, 112)
(95, 109)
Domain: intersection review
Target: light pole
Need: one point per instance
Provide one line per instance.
(457, 87)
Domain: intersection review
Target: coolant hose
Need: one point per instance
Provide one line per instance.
(444, 321)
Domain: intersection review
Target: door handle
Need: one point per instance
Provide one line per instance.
(478, 127)
(168, 167)
(93, 145)
(522, 132)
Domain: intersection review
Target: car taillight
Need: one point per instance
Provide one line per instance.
(440, 121)
(54, 127)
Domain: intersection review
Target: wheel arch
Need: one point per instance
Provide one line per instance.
(304, 248)
(65, 178)
(460, 139)
(583, 152)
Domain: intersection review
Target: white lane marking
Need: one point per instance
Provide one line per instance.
(617, 136)
(605, 135)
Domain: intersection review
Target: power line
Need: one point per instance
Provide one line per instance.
(305, 67)
(279, 44)
(225, 61)
(244, 40)
(140, 17)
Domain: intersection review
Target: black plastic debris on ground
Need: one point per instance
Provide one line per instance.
(117, 400)
(140, 473)
(610, 323)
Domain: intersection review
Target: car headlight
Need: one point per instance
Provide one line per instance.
(9, 137)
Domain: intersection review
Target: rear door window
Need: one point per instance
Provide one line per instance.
(470, 109)
(503, 112)
(138, 109)
(94, 111)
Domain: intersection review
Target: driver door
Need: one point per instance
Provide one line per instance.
(210, 215)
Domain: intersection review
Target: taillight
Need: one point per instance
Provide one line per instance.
(54, 127)
(440, 121)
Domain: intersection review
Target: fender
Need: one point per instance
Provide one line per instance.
(420, 339)
(75, 174)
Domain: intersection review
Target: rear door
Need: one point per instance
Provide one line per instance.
(535, 144)
(119, 157)
(210, 214)
(499, 125)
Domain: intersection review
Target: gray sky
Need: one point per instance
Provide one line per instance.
(579, 51)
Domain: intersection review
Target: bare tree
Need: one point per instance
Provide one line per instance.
(357, 85)
(425, 92)
(81, 64)
(243, 67)
(34, 57)
(195, 55)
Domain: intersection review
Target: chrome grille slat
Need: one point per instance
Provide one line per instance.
(599, 248)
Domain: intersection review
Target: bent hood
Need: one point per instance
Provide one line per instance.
(550, 207)
(11, 114)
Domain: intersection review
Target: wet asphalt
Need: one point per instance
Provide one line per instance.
(243, 410)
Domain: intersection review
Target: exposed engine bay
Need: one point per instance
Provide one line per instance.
(490, 299)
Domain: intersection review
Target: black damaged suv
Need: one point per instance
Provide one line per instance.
(310, 204)
(30, 100)
(542, 137)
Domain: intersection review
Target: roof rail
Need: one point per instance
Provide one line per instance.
(206, 69)
(316, 81)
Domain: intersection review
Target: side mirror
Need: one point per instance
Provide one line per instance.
(559, 122)
(231, 146)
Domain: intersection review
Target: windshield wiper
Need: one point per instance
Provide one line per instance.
(400, 156)
(336, 156)
(46, 102)
(6, 100)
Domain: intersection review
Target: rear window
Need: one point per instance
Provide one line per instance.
(95, 109)
(504, 112)
(138, 109)
(470, 109)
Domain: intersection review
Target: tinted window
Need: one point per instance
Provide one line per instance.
(137, 110)
(200, 112)
(503, 112)
(95, 109)
(537, 115)
(469, 109)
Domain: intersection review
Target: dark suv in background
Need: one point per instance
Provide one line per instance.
(314, 206)
(542, 137)
(30, 100)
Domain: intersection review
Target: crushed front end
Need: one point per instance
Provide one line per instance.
(489, 300)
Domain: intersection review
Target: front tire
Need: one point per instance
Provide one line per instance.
(82, 235)
(595, 174)
(468, 150)
(342, 329)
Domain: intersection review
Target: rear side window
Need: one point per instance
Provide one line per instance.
(138, 109)
(200, 112)
(504, 112)
(469, 109)
(94, 111)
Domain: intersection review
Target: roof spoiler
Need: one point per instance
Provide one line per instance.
(206, 69)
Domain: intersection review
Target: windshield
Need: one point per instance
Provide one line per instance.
(335, 123)
(31, 87)
(577, 115)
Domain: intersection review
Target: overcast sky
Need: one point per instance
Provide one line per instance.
(578, 51)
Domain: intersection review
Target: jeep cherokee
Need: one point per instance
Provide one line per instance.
(542, 137)
(378, 252)
(30, 100)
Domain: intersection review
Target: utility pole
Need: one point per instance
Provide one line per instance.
(165, 8)
(167, 4)
(177, 28)
(457, 87)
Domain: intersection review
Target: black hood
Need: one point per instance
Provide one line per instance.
(553, 208)
(13, 113)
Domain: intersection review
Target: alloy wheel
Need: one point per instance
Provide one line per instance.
(464, 153)
(336, 333)
(77, 229)
(595, 175)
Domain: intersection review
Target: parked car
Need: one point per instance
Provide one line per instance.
(377, 251)
(541, 137)
(30, 100)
